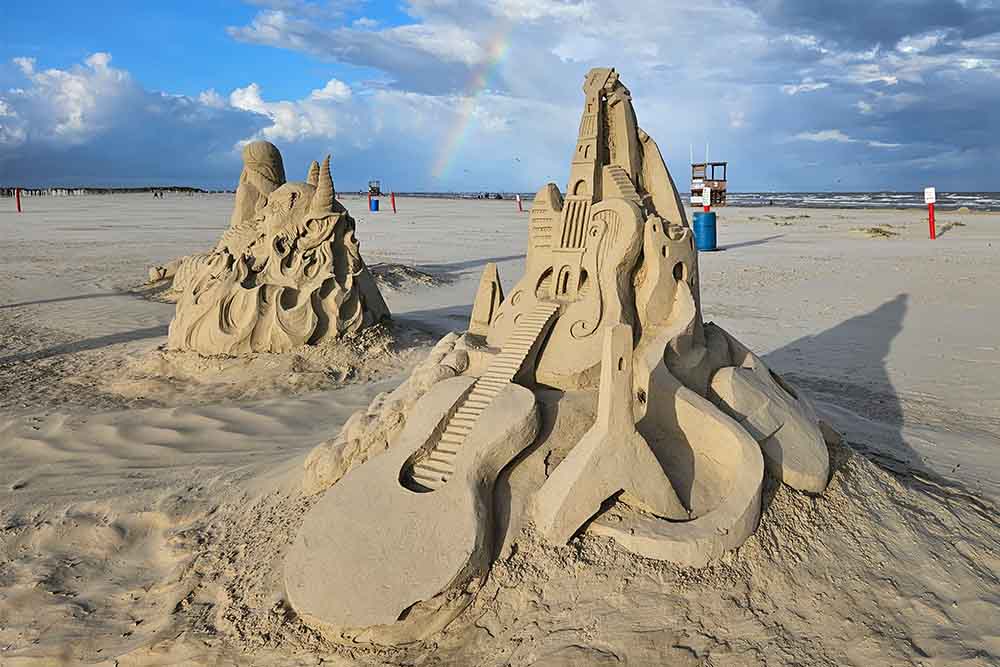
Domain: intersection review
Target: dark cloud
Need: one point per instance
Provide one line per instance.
(865, 23)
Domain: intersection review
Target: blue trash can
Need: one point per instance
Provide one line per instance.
(373, 205)
(704, 231)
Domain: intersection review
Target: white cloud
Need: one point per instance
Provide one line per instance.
(840, 137)
(333, 91)
(320, 115)
(922, 42)
(73, 102)
(533, 10)
(11, 131)
(807, 85)
(290, 120)
(26, 65)
(825, 135)
(114, 130)
(211, 98)
(866, 73)
(809, 42)
(450, 43)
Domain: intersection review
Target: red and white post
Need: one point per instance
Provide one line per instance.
(706, 200)
(520, 207)
(930, 198)
(392, 199)
(17, 198)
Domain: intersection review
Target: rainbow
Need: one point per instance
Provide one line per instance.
(496, 51)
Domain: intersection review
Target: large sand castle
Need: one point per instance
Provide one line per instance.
(288, 271)
(593, 391)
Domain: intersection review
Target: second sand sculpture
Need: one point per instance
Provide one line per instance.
(287, 272)
(593, 390)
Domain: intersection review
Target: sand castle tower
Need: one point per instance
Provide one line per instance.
(593, 390)
(287, 272)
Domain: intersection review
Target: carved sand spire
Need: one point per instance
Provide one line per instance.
(313, 177)
(654, 427)
(291, 275)
(489, 296)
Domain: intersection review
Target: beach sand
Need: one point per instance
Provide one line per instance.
(147, 497)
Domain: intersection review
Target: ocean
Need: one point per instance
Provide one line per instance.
(948, 201)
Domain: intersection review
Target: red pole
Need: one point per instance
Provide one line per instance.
(17, 198)
(520, 208)
(392, 198)
(930, 221)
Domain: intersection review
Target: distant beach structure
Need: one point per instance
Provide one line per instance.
(711, 177)
(8, 191)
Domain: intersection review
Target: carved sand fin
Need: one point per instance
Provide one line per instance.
(488, 299)
(610, 458)
(313, 177)
(322, 203)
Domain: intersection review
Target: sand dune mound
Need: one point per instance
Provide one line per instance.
(403, 278)
(180, 377)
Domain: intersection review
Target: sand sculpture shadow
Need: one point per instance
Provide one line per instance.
(748, 244)
(87, 344)
(866, 339)
(78, 297)
(590, 395)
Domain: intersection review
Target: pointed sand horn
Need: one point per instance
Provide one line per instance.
(323, 199)
(313, 176)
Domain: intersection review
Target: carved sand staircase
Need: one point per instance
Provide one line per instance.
(620, 178)
(433, 471)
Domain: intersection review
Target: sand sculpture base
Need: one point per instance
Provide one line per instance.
(591, 397)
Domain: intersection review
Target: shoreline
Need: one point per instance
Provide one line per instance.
(948, 202)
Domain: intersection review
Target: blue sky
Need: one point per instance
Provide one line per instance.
(477, 94)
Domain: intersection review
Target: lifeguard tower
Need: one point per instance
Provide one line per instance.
(706, 175)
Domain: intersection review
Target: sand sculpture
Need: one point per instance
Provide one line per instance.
(593, 392)
(287, 272)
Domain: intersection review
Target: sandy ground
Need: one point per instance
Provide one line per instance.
(146, 497)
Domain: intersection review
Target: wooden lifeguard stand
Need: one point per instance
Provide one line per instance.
(374, 188)
(706, 175)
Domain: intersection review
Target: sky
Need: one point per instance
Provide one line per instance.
(470, 95)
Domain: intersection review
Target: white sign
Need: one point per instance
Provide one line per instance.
(706, 197)
(930, 196)
(695, 199)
